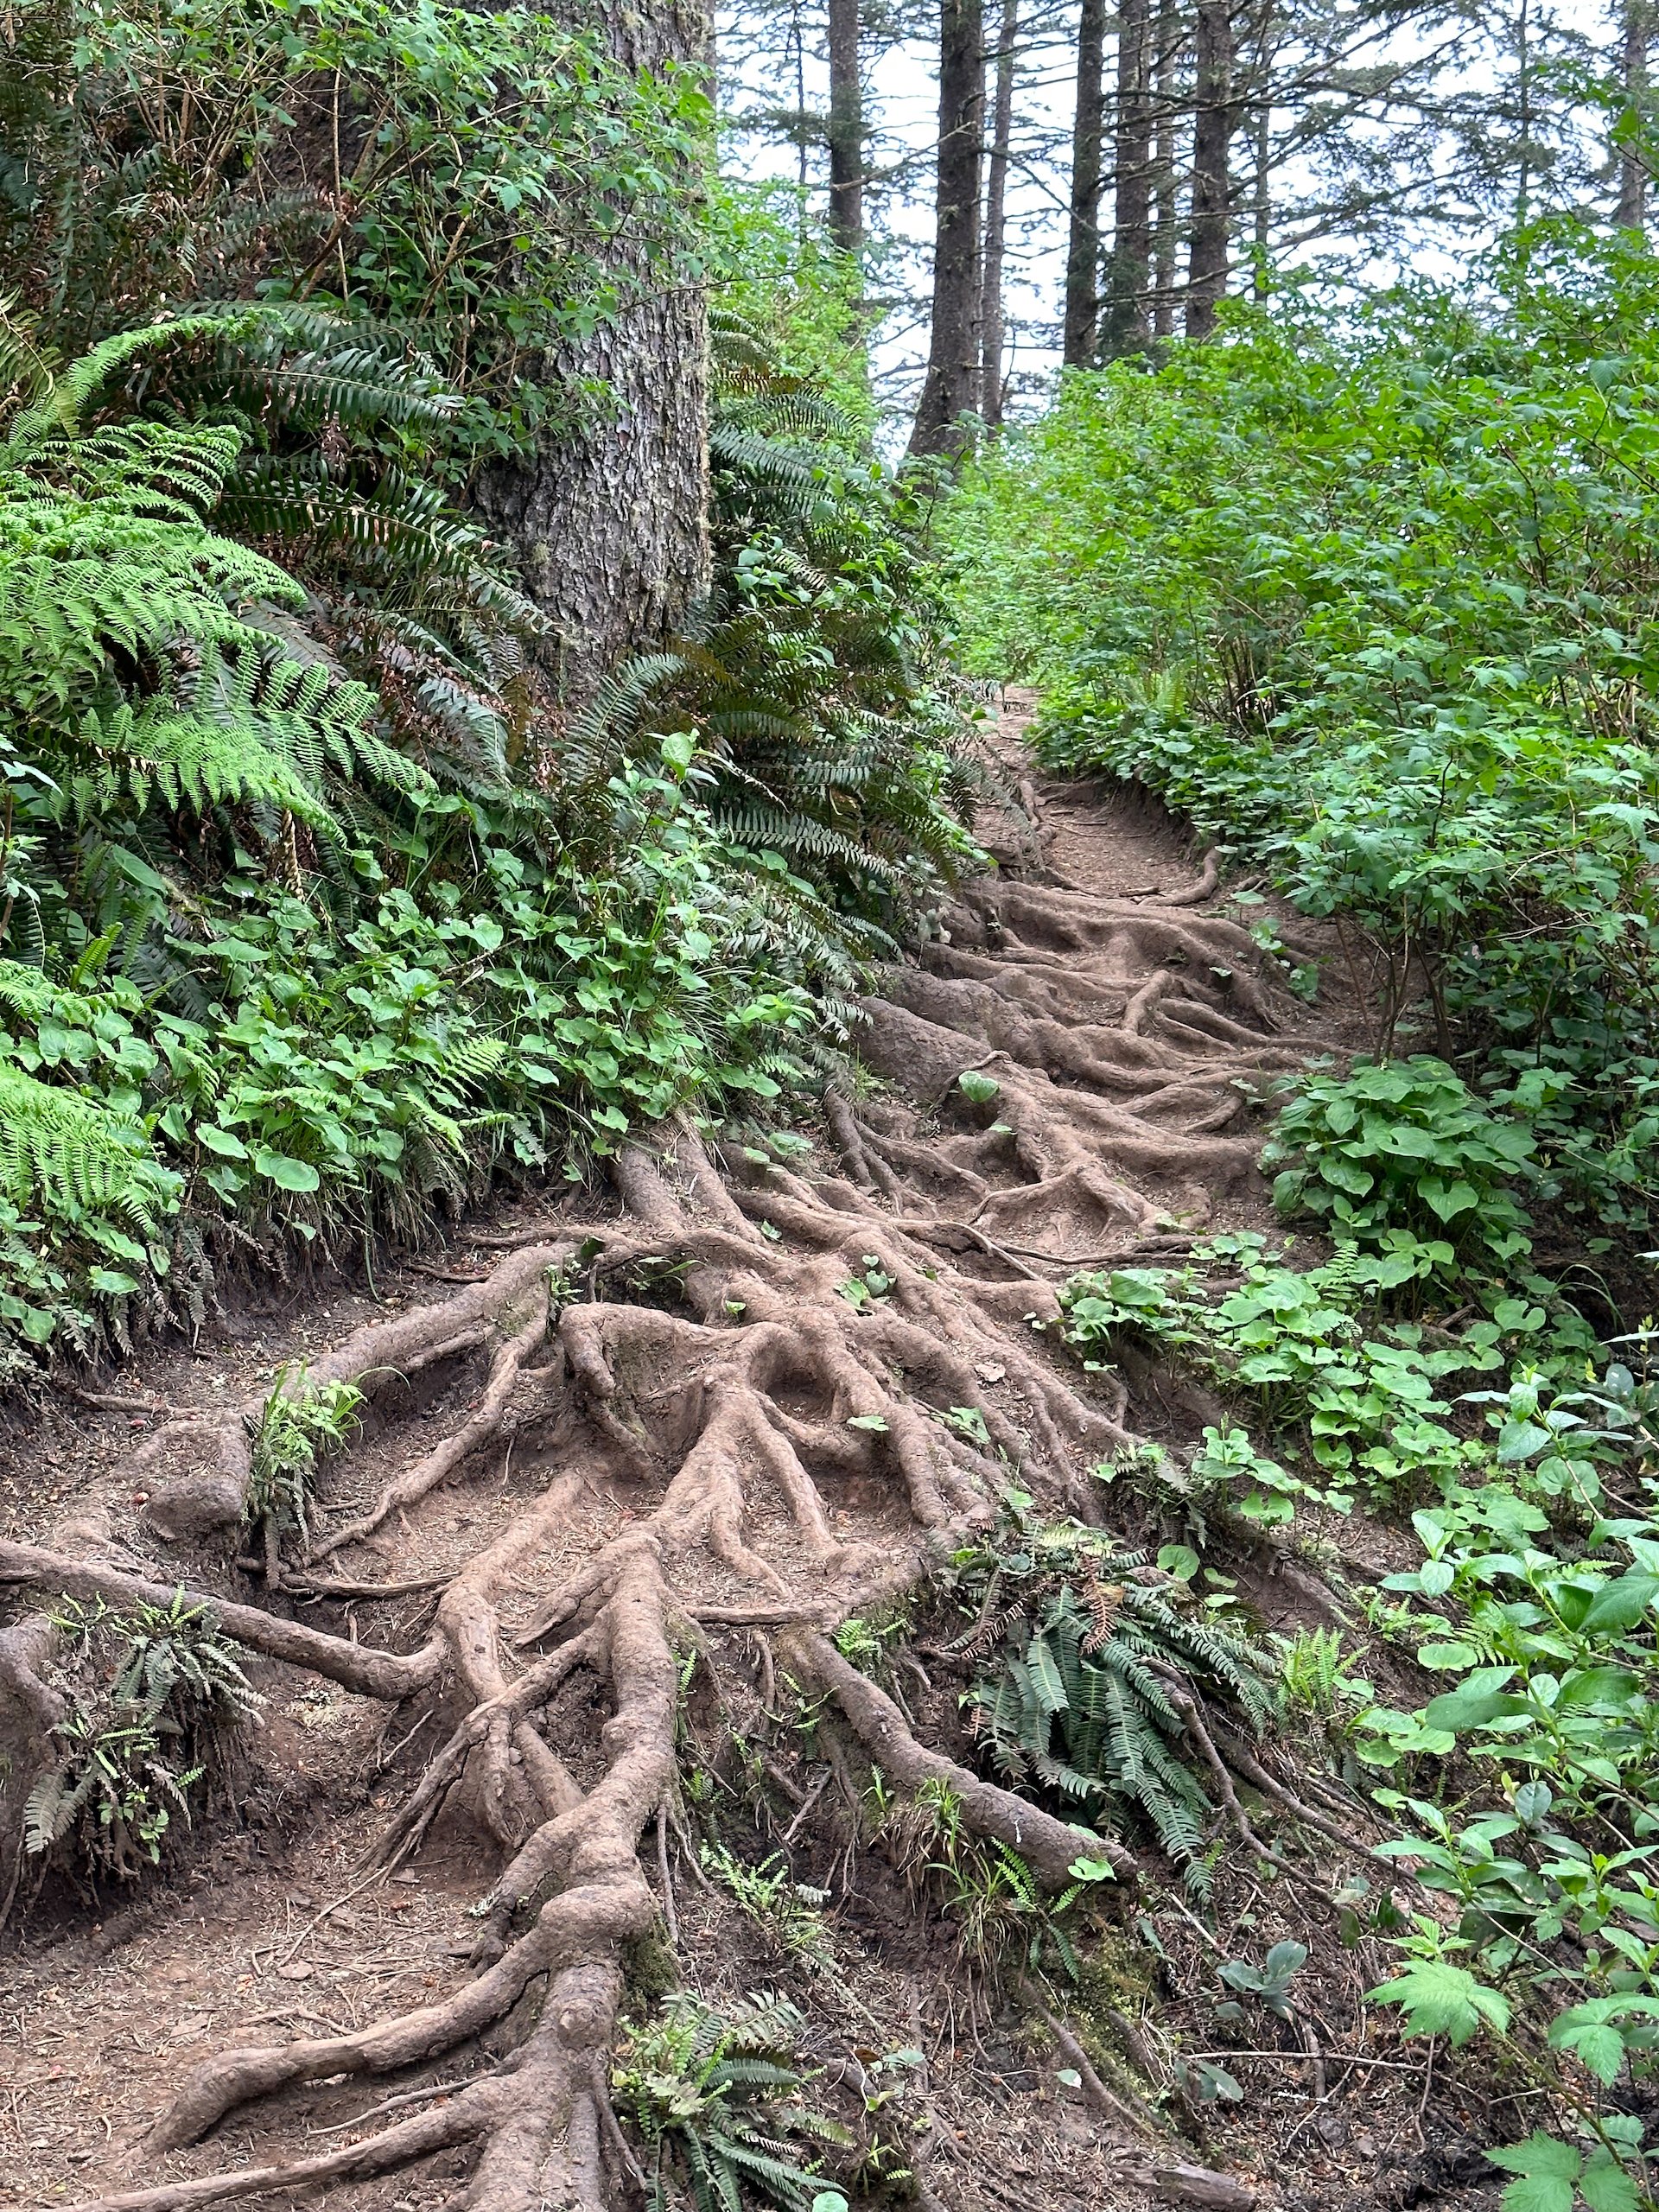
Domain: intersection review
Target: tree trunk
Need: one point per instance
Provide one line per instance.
(797, 42)
(1263, 195)
(992, 320)
(1165, 228)
(1214, 116)
(952, 388)
(1087, 134)
(611, 521)
(1127, 327)
(1632, 212)
(846, 127)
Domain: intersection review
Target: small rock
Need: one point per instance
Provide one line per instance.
(197, 1506)
(1197, 2185)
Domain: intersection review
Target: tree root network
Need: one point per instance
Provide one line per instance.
(762, 1344)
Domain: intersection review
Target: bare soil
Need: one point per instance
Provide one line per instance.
(571, 1592)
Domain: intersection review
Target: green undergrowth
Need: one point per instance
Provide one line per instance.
(153, 1697)
(1086, 1654)
(1427, 1374)
(722, 2103)
(1370, 601)
(318, 913)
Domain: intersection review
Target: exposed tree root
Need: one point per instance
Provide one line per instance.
(1049, 1845)
(788, 1393)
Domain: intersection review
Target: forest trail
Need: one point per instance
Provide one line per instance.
(711, 1415)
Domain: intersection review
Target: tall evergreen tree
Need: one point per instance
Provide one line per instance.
(1168, 42)
(950, 389)
(1081, 321)
(1128, 324)
(993, 318)
(1214, 119)
(1631, 211)
(846, 128)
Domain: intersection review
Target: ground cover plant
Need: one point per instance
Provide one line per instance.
(308, 929)
(1372, 609)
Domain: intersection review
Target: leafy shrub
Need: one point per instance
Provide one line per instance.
(716, 2098)
(1355, 1395)
(154, 1693)
(1402, 1145)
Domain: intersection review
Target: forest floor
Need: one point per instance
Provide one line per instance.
(629, 1457)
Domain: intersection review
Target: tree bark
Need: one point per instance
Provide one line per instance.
(1632, 212)
(1128, 326)
(1214, 118)
(1082, 331)
(611, 521)
(993, 322)
(1166, 195)
(1261, 195)
(846, 127)
(951, 387)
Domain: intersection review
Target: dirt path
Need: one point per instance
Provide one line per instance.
(633, 1445)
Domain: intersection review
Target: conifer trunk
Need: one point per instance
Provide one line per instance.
(1081, 326)
(952, 388)
(846, 127)
(1128, 326)
(993, 323)
(1632, 212)
(1214, 118)
(611, 521)
(1166, 195)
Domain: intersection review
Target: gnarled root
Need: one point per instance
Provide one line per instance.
(1049, 1845)
(789, 1393)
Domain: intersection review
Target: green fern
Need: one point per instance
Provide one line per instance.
(77, 1158)
(154, 1694)
(713, 2096)
(1091, 1649)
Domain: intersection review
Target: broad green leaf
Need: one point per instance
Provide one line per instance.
(220, 1140)
(286, 1173)
(1548, 2173)
(1441, 1999)
(1606, 2186)
(1621, 1605)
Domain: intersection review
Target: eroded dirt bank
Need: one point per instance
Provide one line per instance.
(568, 1605)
